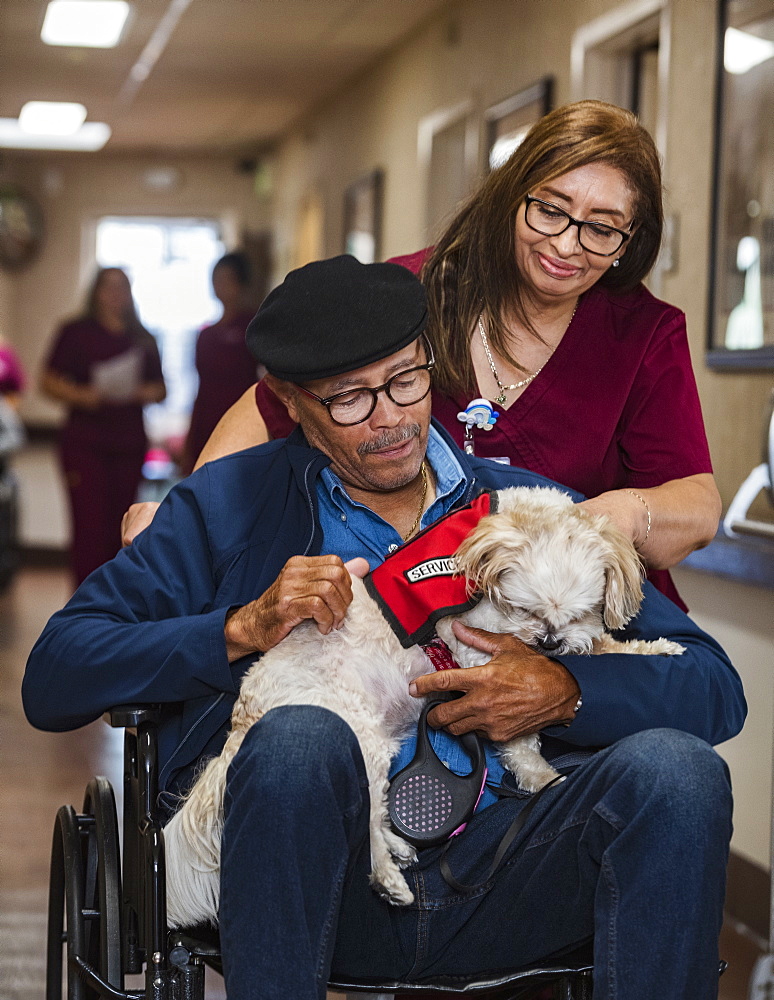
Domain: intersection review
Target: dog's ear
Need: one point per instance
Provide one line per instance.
(623, 576)
(490, 550)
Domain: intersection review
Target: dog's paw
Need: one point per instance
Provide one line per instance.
(403, 852)
(523, 759)
(533, 779)
(639, 647)
(391, 885)
(665, 647)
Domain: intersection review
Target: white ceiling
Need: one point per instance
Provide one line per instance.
(232, 75)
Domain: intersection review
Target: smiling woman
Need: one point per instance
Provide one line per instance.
(536, 302)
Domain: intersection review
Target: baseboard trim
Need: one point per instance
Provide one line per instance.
(45, 557)
(41, 434)
(748, 894)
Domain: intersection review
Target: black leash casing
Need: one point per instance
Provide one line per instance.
(428, 802)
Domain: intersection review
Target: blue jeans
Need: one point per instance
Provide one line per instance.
(631, 849)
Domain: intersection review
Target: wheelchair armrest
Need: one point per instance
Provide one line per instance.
(131, 716)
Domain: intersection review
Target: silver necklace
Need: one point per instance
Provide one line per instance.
(525, 381)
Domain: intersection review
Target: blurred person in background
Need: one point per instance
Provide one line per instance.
(12, 379)
(104, 367)
(12, 383)
(224, 364)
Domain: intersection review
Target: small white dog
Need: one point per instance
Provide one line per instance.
(550, 574)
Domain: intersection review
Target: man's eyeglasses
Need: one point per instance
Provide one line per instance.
(356, 405)
(549, 220)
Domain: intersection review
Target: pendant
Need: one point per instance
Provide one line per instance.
(500, 399)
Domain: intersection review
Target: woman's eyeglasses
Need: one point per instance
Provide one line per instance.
(549, 220)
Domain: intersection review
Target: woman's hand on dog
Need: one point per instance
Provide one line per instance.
(519, 692)
(136, 519)
(308, 587)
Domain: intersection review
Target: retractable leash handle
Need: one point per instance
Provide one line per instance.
(428, 802)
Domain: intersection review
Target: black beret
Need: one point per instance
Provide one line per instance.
(333, 316)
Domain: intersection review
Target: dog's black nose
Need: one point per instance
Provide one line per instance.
(549, 642)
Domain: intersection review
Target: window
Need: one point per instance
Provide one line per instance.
(447, 143)
(508, 122)
(169, 263)
(741, 306)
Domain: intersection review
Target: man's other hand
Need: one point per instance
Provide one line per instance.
(308, 587)
(519, 692)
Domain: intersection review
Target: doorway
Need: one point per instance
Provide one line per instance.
(169, 262)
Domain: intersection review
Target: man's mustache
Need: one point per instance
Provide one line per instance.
(389, 439)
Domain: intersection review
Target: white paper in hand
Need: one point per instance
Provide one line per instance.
(118, 379)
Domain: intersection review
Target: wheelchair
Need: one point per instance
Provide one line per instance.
(107, 917)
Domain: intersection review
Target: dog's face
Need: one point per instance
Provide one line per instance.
(554, 575)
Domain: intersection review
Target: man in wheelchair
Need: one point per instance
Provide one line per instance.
(631, 849)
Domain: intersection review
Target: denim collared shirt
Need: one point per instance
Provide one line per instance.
(351, 529)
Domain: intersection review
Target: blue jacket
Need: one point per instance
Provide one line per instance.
(148, 625)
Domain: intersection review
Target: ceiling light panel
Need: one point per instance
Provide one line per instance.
(89, 137)
(51, 117)
(93, 24)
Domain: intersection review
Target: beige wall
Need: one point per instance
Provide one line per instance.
(740, 617)
(480, 52)
(74, 192)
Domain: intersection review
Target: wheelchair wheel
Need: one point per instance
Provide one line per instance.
(84, 915)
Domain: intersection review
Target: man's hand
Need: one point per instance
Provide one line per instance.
(308, 587)
(137, 519)
(519, 692)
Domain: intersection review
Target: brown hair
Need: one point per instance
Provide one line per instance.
(472, 268)
(132, 320)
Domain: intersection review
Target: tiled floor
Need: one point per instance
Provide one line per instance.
(41, 771)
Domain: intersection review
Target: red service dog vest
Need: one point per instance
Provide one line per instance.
(417, 585)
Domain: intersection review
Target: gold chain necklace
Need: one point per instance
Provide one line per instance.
(418, 518)
(525, 381)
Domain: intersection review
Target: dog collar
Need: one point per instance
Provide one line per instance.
(418, 584)
(439, 654)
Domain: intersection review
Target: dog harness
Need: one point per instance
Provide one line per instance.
(418, 584)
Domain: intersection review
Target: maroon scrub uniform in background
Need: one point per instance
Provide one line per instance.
(226, 370)
(102, 450)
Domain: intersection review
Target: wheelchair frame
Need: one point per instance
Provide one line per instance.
(110, 920)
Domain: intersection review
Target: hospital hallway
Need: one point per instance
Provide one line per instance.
(41, 771)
